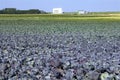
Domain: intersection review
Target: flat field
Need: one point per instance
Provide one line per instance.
(60, 47)
(84, 24)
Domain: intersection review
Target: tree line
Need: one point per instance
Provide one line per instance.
(15, 11)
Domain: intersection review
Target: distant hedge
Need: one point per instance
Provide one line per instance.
(15, 11)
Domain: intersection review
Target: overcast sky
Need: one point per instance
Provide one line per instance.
(66, 5)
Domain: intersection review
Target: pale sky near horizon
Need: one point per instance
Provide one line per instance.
(66, 5)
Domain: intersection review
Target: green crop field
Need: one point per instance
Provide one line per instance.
(88, 25)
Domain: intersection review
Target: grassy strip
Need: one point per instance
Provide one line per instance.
(60, 18)
(56, 17)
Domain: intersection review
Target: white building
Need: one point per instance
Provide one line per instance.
(82, 12)
(57, 11)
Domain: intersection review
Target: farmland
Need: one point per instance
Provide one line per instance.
(59, 47)
(89, 24)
